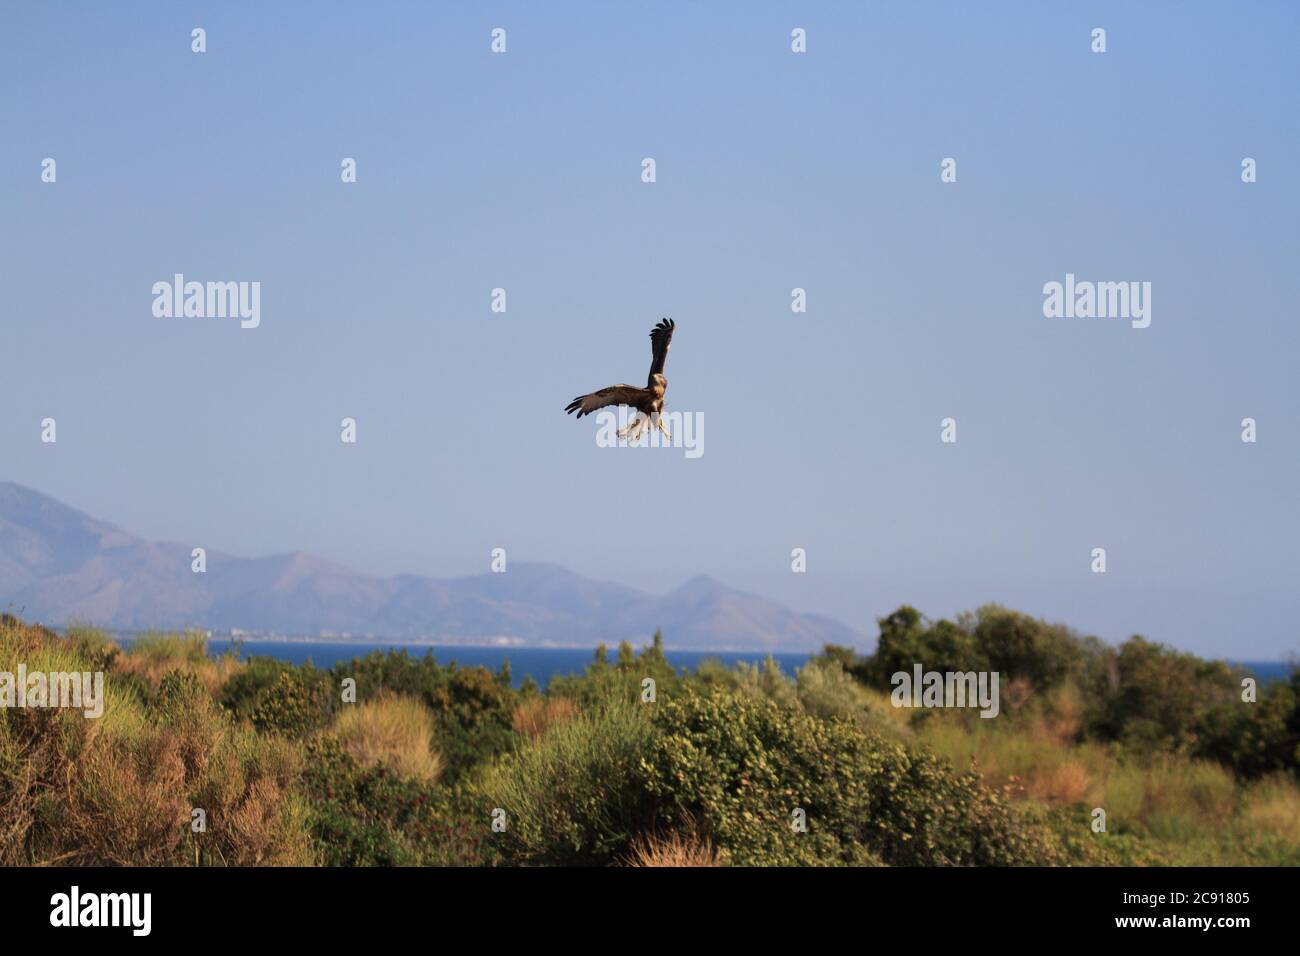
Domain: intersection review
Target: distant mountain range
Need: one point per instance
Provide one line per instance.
(58, 566)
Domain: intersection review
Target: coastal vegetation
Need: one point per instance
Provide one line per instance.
(392, 759)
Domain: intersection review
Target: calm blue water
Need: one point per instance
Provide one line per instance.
(1265, 671)
(541, 663)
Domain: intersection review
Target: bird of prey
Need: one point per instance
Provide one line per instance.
(649, 401)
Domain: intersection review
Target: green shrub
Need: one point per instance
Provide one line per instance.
(473, 715)
(1255, 739)
(368, 816)
(1156, 698)
(295, 705)
(622, 680)
(825, 690)
(241, 691)
(993, 638)
(766, 681)
(1020, 647)
(925, 814)
(574, 796)
(739, 768)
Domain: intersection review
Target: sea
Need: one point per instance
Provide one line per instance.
(539, 663)
(544, 663)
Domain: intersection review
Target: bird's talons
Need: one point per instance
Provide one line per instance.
(632, 431)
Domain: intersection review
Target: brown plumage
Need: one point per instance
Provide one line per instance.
(649, 401)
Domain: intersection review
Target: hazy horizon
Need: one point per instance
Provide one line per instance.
(865, 643)
(774, 171)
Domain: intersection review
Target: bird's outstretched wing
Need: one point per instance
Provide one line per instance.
(613, 395)
(660, 337)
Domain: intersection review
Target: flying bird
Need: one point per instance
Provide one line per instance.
(649, 401)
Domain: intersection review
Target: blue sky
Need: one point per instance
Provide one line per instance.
(775, 171)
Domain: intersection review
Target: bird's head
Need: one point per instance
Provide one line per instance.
(659, 379)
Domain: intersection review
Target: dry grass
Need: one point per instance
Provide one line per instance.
(121, 789)
(1037, 755)
(1272, 806)
(1061, 784)
(394, 732)
(537, 715)
(152, 656)
(91, 796)
(672, 850)
(1189, 811)
(1034, 761)
(1172, 797)
(1062, 718)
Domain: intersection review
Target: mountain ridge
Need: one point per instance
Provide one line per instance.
(62, 566)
